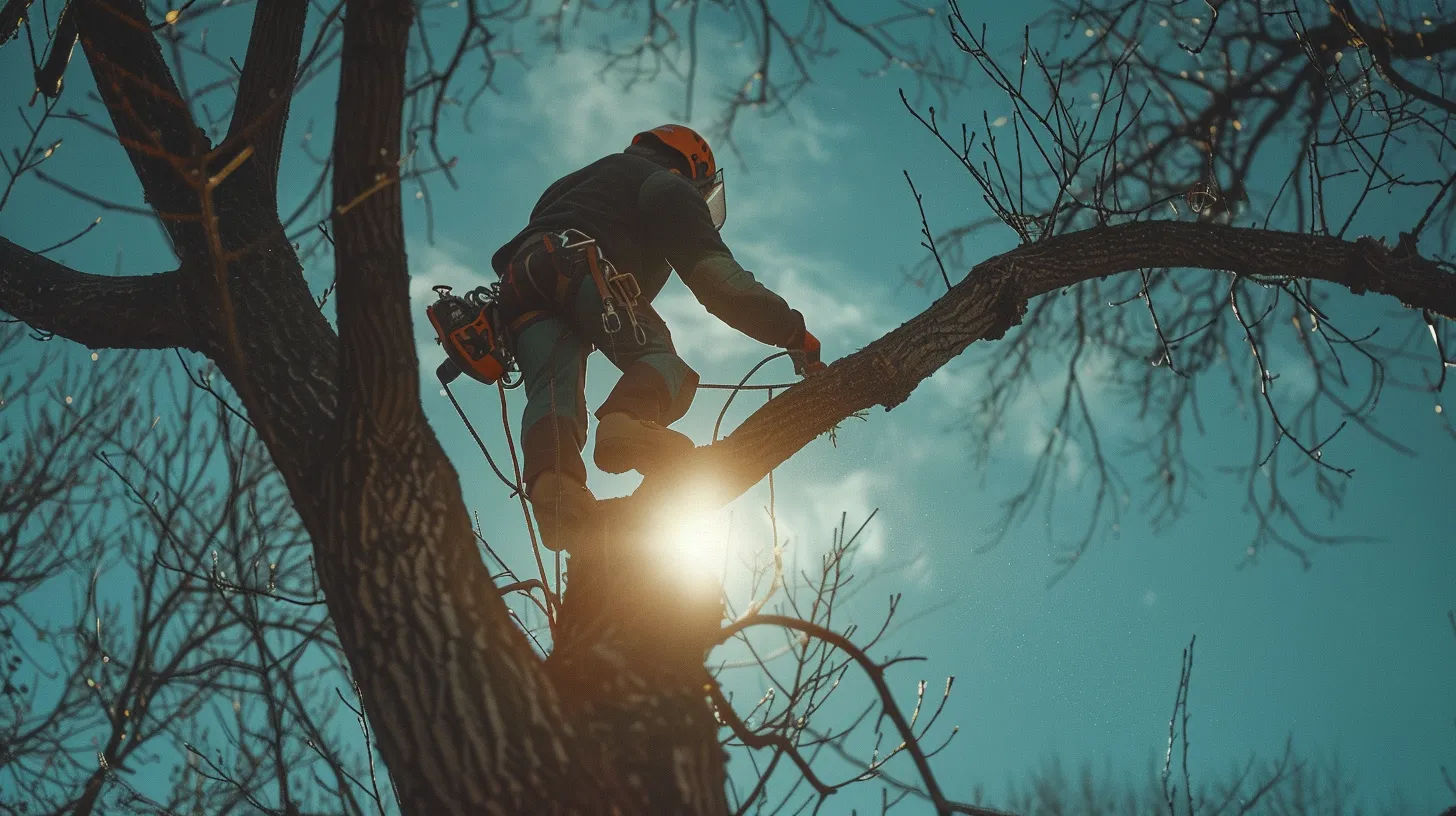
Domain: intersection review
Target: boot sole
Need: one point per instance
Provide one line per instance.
(620, 456)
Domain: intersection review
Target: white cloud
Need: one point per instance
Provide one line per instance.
(441, 264)
(787, 171)
(576, 116)
(812, 521)
(1072, 462)
(834, 304)
(955, 384)
(1033, 411)
(919, 570)
(701, 339)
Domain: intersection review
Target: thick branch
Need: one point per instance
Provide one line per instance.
(379, 379)
(99, 311)
(427, 635)
(266, 87)
(151, 119)
(11, 16)
(993, 297)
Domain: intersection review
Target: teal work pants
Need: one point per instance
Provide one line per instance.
(552, 342)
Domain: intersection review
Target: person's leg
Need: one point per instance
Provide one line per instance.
(655, 390)
(552, 359)
(553, 426)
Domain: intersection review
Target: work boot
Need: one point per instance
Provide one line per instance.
(564, 509)
(626, 443)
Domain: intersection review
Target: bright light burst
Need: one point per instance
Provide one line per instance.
(692, 544)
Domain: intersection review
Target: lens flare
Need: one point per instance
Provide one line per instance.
(693, 544)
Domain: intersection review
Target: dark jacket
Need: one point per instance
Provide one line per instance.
(648, 221)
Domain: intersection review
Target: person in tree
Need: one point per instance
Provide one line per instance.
(582, 274)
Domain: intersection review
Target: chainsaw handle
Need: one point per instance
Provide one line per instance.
(805, 356)
(447, 371)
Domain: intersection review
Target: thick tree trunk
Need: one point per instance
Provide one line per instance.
(467, 717)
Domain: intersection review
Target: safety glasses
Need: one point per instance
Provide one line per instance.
(712, 190)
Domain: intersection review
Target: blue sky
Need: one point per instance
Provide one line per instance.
(1353, 656)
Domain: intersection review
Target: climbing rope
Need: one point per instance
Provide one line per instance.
(514, 487)
(743, 386)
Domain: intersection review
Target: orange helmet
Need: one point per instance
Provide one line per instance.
(686, 141)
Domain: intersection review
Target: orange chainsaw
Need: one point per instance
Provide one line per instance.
(469, 329)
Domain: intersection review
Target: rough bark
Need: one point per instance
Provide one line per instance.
(494, 735)
(265, 89)
(99, 311)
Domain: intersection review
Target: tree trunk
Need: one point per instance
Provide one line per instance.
(468, 719)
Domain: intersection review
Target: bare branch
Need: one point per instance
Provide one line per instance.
(993, 297)
(142, 311)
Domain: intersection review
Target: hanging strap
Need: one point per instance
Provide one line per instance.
(593, 263)
(611, 321)
(563, 282)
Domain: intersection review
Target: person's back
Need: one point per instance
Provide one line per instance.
(599, 200)
(596, 250)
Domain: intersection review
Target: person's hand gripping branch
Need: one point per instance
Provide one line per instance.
(804, 352)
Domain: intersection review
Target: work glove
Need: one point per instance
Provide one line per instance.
(805, 354)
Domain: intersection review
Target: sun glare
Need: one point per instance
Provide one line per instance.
(693, 546)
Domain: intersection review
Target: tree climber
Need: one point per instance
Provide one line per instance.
(583, 274)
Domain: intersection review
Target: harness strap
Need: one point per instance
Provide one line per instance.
(527, 319)
(619, 289)
(592, 263)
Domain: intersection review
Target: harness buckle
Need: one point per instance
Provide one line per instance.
(611, 321)
(626, 285)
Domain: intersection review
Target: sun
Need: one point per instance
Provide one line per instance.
(692, 546)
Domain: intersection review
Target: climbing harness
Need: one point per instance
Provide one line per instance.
(617, 289)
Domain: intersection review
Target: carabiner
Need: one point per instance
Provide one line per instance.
(611, 321)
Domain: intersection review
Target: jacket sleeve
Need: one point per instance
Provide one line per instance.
(679, 222)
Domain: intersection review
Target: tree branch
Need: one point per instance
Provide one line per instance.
(876, 674)
(11, 16)
(379, 381)
(993, 298)
(266, 87)
(151, 118)
(140, 311)
(1382, 49)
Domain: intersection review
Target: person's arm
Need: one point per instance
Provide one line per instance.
(684, 230)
